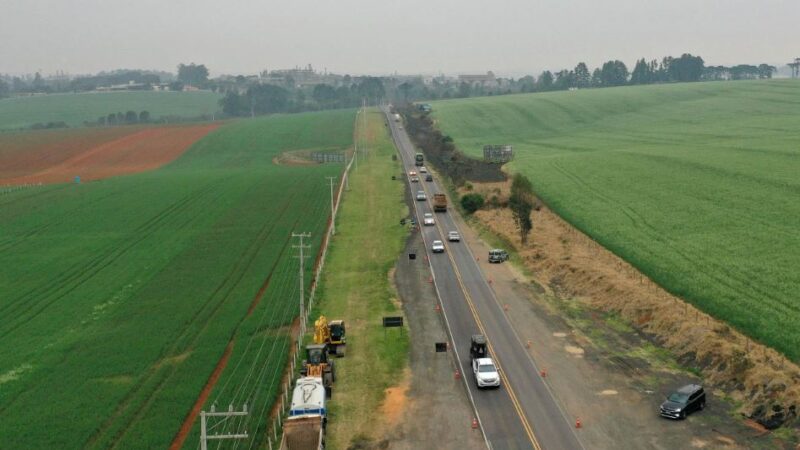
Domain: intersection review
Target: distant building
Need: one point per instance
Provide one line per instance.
(488, 80)
(130, 86)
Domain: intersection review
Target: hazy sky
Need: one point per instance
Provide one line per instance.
(511, 37)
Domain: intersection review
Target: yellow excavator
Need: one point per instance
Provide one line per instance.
(332, 334)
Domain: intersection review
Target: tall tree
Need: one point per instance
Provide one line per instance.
(641, 73)
(545, 82)
(405, 88)
(38, 82)
(371, 88)
(464, 89)
(234, 104)
(324, 95)
(597, 78)
(614, 73)
(765, 71)
(521, 204)
(583, 79)
(192, 74)
(686, 68)
(267, 99)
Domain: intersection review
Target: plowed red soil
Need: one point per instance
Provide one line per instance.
(60, 156)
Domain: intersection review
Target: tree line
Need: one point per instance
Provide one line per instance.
(260, 99)
(128, 118)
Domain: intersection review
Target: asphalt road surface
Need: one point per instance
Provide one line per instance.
(523, 412)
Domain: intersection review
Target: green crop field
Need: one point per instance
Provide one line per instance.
(74, 109)
(120, 296)
(698, 185)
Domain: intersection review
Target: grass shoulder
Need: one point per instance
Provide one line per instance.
(356, 287)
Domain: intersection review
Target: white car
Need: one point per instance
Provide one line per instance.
(453, 236)
(486, 373)
(427, 219)
(415, 179)
(421, 195)
(423, 169)
(437, 246)
(412, 173)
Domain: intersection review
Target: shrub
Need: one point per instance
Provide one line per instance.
(471, 202)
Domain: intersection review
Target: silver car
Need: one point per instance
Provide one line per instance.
(486, 373)
(421, 196)
(437, 246)
(453, 236)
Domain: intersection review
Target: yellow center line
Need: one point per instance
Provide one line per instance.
(473, 311)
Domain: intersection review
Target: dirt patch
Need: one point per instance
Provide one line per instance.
(91, 158)
(571, 265)
(608, 392)
(573, 350)
(172, 360)
(395, 401)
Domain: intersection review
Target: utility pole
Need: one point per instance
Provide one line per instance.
(204, 437)
(302, 258)
(333, 210)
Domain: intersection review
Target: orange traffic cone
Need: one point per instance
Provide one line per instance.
(578, 423)
(543, 373)
(474, 423)
(457, 375)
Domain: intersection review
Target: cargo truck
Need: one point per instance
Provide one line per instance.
(419, 159)
(439, 203)
(304, 429)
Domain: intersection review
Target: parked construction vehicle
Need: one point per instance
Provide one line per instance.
(439, 203)
(331, 333)
(316, 364)
(304, 429)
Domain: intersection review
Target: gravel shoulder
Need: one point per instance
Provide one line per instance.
(435, 410)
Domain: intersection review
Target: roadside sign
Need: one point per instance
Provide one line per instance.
(441, 347)
(393, 321)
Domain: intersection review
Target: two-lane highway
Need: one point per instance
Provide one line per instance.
(523, 413)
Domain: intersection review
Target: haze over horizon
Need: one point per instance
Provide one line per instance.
(510, 37)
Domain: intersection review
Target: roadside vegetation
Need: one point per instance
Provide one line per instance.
(356, 287)
(121, 296)
(688, 182)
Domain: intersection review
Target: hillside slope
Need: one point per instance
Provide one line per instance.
(695, 184)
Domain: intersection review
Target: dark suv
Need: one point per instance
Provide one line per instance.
(685, 400)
